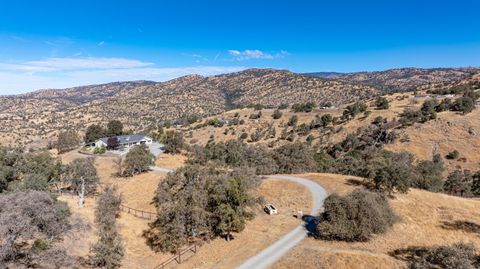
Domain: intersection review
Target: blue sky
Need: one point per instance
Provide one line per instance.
(56, 44)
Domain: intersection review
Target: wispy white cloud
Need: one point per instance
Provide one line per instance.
(197, 57)
(69, 72)
(101, 43)
(87, 63)
(242, 55)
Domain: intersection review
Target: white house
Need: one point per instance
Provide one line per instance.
(125, 141)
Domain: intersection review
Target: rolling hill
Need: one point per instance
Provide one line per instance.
(402, 79)
(37, 116)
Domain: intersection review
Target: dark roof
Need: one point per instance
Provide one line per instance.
(124, 139)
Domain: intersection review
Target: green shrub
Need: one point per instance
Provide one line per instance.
(173, 142)
(40, 245)
(382, 103)
(355, 217)
(277, 114)
(464, 104)
(453, 155)
(306, 107)
(456, 256)
(100, 150)
(283, 106)
(138, 160)
(244, 136)
(292, 121)
(354, 109)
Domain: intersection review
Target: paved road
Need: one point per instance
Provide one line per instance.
(161, 170)
(156, 148)
(275, 251)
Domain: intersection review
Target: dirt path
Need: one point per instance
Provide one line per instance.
(275, 251)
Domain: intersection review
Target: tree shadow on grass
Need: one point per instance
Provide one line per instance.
(410, 254)
(310, 224)
(360, 183)
(355, 182)
(461, 225)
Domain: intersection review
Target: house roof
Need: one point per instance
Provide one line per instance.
(124, 139)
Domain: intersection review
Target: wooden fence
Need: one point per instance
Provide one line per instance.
(177, 257)
(129, 210)
(138, 213)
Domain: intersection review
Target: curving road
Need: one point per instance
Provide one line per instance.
(275, 251)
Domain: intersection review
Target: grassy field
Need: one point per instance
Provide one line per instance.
(426, 219)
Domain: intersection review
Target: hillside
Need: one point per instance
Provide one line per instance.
(85, 94)
(449, 131)
(402, 79)
(36, 117)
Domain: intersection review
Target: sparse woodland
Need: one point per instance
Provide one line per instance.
(320, 126)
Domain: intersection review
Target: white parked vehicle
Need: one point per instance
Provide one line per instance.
(270, 209)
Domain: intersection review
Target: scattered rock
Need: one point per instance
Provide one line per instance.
(472, 131)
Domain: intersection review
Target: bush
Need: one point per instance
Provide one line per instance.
(138, 160)
(392, 171)
(100, 150)
(429, 174)
(173, 142)
(476, 183)
(256, 116)
(26, 218)
(108, 251)
(93, 133)
(456, 256)
(445, 105)
(382, 103)
(453, 155)
(354, 109)
(244, 136)
(294, 158)
(326, 119)
(215, 122)
(464, 104)
(114, 128)
(292, 121)
(283, 106)
(277, 114)
(67, 141)
(459, 183)
(426, 113)
(306, 107)
(355, 217)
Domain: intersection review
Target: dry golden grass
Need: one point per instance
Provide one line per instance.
(137, 253)
(171, 161)
(260, 232)
(424, 220)
(202, 135)
(138, 192)
(448, 132)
